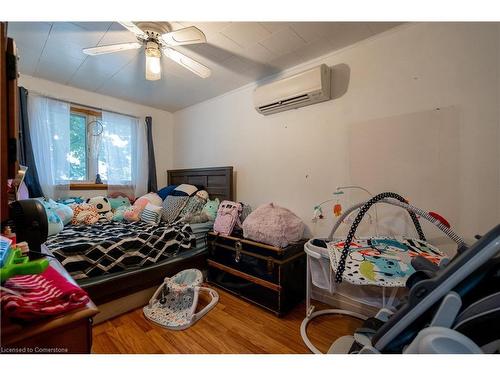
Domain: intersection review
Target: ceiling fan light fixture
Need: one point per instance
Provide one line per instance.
(153, 64)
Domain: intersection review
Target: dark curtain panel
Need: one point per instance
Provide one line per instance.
(152, 185)
(26, 157)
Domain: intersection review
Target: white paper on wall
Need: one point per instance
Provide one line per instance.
(415, 155)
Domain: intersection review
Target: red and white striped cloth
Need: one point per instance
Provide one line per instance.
(35, 296)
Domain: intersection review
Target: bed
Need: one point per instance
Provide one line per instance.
(164, 250)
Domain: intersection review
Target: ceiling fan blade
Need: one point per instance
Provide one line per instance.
(187, 62)
(110, 48)
(188, 35)
(132, 27)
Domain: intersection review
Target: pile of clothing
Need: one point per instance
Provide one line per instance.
(31, 297)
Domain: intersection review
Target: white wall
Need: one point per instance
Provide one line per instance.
(297, 158)
(162, 120)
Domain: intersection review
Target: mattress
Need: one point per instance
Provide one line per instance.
(200, 231)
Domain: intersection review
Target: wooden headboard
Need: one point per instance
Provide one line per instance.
(217, 181)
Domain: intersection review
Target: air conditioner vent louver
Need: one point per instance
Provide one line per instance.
(309, 87)
(282, 103)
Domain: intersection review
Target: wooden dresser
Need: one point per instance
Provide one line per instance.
(68, 333)
(271, 277)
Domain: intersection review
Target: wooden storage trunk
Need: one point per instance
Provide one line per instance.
(271, 277)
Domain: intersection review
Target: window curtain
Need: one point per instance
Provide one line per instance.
(49, 130)
(152, 185)
(125, 156)
(26, 155)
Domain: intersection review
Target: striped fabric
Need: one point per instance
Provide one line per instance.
(35, 296)
(151, 214)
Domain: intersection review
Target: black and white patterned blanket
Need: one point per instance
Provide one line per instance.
(109, 247)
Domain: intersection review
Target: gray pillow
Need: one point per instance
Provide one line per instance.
(194, 206)
(172, 207)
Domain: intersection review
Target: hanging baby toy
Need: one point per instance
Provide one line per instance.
(337, 207)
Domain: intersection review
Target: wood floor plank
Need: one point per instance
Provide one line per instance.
(233, 326)
(104, 344)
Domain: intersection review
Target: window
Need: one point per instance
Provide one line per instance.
(78, 147)
(91, 145)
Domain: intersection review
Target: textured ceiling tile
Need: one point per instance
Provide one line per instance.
(95, 70)
(258, 53)
(245, 33)
(312, 31)
(57, 70)
(378, 27)
(349, 33)
(31, 35)
(317, 48)
(209, 28)
(209, 51)
(117, 34)
(225, 43)
(67, 32)
(283, 42)
(122, 74)
(57, 49)
(94, 26)
(273, 27)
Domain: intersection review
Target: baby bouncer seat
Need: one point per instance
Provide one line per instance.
(174, 303)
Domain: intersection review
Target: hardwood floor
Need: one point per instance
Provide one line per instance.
(233, 326)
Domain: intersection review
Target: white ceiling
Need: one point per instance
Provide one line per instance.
(236, 52)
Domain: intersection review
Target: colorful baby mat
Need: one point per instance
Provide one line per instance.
(381, 261)
(384, 261)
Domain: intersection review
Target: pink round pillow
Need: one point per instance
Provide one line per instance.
(273, 225)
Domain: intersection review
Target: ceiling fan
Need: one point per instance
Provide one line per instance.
(158, 37)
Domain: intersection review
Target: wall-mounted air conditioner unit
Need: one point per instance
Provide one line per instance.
(299, 90)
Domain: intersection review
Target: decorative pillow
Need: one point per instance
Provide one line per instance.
(208, 213)
(211, 208)
(55, 223)
(273, 225)
(102, 206)
(152, 198)
(166, 191)
(118, 202)
(151, 214)
(131, 214)
(118, 214)
(202, 194)
(172, 207)
(193, 206)
(63, 211)
(184, 189)
(84, 213)
(70, 200)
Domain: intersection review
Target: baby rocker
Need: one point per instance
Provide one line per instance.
(174, 303)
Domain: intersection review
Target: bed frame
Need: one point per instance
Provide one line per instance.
(218, 182)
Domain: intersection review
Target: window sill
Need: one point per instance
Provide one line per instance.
(87, 186)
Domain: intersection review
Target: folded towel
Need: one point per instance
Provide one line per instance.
(32, 297)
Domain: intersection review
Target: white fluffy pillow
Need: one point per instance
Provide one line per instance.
(153, 198)
(186, 188)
